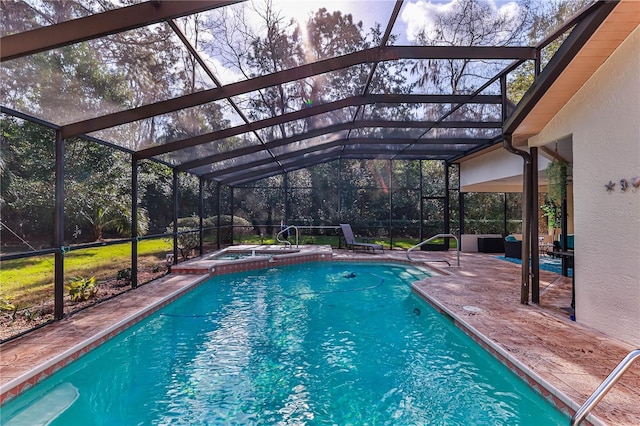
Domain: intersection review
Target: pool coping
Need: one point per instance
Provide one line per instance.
(195, 276)
(19, 384)
(549, 392)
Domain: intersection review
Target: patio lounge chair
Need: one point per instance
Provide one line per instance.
(351, 242)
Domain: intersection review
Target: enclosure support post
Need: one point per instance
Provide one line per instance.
(461, 212)
(175, 216)
(201, 213)
(526, 217)
(58, 287)
(232, 208)
(339, 191)
(564, 229)
(134, 222)
(391, 204)
(421, 204)
(285, 184)
(505, 211)
(447, 218)
(535, 246)
(218, 197)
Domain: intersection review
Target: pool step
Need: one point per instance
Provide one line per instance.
(46, 409)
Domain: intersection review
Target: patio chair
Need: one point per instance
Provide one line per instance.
(512, 247)
(557, 246)
(350, 240)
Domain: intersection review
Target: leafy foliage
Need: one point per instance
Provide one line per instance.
(97, 185)
(552, 212)
(124, 275)
(7, 306)
(81, 289)
(544, 20)
(556, 172)
(187, 241)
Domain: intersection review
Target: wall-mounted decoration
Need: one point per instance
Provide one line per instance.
(623, 185)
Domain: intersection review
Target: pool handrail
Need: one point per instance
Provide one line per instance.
(282, 231)
(434, 238)
(604, 387)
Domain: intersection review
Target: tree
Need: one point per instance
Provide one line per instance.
(544, 21)
(155, 192)
(467, 23)
(97, 185)
(26, 196)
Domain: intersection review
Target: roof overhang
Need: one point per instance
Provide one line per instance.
(617, 25)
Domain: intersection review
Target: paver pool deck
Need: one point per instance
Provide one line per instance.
(563, 359)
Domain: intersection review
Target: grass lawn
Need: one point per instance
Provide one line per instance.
(29, 281)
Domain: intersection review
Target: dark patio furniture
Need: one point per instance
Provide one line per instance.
(351, 242)
(491, 245)
(513, 249)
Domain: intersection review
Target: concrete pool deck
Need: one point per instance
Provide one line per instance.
(564, 360)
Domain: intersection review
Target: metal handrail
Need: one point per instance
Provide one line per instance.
(435, 237)
(286, 229)
(604, 387)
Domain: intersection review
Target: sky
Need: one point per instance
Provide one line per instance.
(414, 15)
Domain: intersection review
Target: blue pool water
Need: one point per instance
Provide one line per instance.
(320, 343)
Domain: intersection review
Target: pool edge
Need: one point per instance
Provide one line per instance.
(23, 382)
(549, 392)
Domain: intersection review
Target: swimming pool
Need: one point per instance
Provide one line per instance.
(335, 343)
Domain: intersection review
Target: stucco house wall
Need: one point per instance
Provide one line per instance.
(604, 120)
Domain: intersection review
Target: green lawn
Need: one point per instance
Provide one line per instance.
(29, 281)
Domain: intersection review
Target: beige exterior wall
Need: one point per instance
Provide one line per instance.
(604, 119)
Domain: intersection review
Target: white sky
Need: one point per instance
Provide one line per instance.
(367, 11)
(419, 14)
(414, 16)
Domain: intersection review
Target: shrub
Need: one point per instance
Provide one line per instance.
(191, 222)
(7, 306)
(124, 275)
(242, 225)
(82, 289)
(189, 241)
